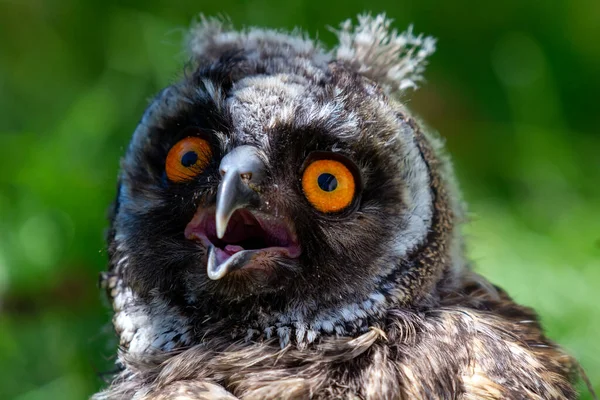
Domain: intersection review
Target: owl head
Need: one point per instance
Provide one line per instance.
(279, 189)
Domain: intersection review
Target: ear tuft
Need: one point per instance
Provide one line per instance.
(394, 60)
(212, 38)
(208, 34)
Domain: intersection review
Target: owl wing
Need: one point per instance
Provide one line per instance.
(482, 346)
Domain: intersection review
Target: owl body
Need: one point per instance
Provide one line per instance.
(285, 229)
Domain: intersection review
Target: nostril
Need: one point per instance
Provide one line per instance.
(246, 176)
(243, 163)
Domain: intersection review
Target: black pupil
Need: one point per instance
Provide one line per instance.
(189, 159)
(327, 182)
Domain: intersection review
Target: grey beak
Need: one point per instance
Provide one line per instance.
(242, 171)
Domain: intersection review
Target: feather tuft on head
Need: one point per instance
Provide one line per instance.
(394, 60)
(212, 38)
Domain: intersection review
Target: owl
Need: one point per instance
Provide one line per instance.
(284, 228)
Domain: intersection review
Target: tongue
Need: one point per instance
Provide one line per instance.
(231, 249)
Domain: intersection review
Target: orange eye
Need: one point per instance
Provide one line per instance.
(328, 185)
(188, 159)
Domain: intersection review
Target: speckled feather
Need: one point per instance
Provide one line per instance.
(381, 304)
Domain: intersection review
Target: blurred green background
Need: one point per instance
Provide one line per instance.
(514, 87)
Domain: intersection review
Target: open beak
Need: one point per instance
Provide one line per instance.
(234, 235)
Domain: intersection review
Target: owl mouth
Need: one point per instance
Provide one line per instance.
(250, 239)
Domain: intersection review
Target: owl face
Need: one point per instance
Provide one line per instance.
(274, 178)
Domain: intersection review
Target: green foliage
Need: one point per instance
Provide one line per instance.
(514, 89)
